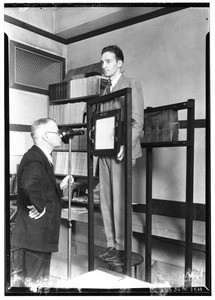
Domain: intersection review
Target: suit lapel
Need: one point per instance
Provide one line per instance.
(119, 84)
(49, 167)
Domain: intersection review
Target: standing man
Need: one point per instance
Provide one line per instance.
(37, 224)
(111, 169)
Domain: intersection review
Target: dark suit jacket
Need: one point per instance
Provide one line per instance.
(137, 110)
(37, 186)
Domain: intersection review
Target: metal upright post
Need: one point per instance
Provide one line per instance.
(128, 183)
(208, 164)
(90, 193)
(189, 193)
(148, 246)
(69, 221)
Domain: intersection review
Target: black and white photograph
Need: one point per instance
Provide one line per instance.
(107, 149)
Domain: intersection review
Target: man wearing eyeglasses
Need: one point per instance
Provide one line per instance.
(37, 224)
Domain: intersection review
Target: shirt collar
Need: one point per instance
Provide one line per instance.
(115, 80)
(47, 154)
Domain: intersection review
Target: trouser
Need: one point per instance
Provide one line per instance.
(111, 176)
(35, 266)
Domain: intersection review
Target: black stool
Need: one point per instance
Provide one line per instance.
(136, 259)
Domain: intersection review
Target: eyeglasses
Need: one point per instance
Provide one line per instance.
(56, 132)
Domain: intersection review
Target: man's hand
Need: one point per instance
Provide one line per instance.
(33, 213)
(64, 182)
(121, 153)
(133, 162)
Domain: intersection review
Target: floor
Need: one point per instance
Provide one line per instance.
(79, 266)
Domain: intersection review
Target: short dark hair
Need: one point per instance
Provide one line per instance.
(114, 49)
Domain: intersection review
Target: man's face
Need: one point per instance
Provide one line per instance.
(110, 65)
(52, 134)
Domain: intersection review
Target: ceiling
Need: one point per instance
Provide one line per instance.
(78, 21)
(69, 24)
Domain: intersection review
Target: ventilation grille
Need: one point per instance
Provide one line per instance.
(35, 69)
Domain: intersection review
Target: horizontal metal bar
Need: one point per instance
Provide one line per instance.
(172, 208)
(176, 106)
(166, 144)
(199, 123)
(195, 246)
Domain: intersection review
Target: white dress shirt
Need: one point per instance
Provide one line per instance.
(48, 155)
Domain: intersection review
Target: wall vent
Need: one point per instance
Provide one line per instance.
(33, 70)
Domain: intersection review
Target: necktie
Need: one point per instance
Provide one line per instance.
(107, 90)
(107, 105)
(104, 106)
